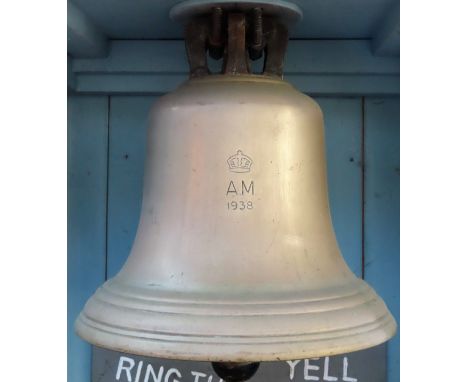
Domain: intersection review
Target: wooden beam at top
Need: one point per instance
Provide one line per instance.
(386, 39)
(84, 38)
(319, 67)
(302, 57)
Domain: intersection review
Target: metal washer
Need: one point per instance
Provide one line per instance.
(289, 13)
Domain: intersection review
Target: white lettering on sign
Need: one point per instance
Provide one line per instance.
(326, 376)
(197, 375)
(308, 367)
(311, 370)
(128, 367)
(150, 371)
(127, 372)
(138, 373)
(170, 372)
(345, 372)
(127, 364)
(292, 365)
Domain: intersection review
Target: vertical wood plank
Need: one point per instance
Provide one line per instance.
(343, 146)
(381, 209)
(127, 146)
(87, 193)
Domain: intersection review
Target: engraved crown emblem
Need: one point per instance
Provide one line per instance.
(239, 162)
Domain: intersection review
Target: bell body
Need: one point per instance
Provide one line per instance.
(235, 258)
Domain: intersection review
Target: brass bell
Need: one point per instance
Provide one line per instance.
(235, 258)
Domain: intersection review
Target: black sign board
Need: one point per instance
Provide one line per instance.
(362, 366)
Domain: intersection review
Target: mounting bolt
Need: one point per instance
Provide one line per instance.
(216, 46)
(256, 45)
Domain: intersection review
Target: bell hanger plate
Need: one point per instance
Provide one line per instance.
(287, 12)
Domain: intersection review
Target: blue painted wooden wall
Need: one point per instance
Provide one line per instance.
(106, 149)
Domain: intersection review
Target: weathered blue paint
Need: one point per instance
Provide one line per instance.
(381, 209)
(386, 40)
(343, 147)
(127, 147)
(87, 193)
(84, 38)
(327, 67)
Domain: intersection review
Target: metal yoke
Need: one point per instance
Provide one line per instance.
(236, 37)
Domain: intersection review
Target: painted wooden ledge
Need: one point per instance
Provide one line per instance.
(321, 67)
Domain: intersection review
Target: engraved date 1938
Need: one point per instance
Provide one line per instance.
(240, 205)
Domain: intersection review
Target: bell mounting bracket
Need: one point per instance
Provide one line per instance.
(236, 32)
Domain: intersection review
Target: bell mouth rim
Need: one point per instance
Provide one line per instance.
(200, 348)
(240, 333)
